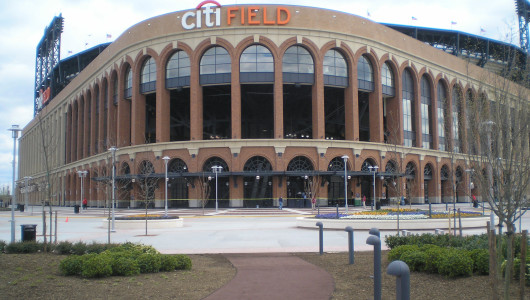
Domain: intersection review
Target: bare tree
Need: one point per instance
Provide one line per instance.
(147, 184)
(203, 183)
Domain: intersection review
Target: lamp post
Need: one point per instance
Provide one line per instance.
(345, 158)
(469, 172)
(374, 169)
(166, 159)
(14, 129)
(82, 174)
(216, 169)
(113, 201)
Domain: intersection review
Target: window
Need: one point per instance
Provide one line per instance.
(365, 74)
(148, 78)
(442, 99)
(215, 66)
(456, 119)
(178, 70)
(387, 80)
(408, 109)
(128, 83)
(426, 113)
(256, 65)
(298, 66)
(335, 69)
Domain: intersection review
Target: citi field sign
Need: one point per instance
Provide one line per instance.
(208, 14)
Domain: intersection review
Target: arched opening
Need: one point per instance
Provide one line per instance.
(298, 78)
(409, 130)
(258, 188)
(177, 184)
(411, 183)
(148, 89)
(215, 79)
(124, 186)
(426, 113)
(390, 117)
(365, 78)
(429, 185)
(367, 181)
(336, 182)
(441, 102)
(147, 184)
(335, 83)
(178, 84)
(446, 185)
(256, 67)
(222, 187)
(301, 168)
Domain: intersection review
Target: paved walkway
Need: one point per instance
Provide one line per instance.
(275, 276)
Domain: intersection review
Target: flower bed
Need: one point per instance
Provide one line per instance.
(392, 214)
(142, 217)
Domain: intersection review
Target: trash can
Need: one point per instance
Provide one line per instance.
(20, 207)
(28, 232)
(378, 205)
(76, 209)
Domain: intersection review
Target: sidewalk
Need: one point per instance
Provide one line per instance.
(275, 276)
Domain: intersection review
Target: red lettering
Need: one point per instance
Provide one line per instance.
(251, 14)
(265, 21)
(242, 16)
(230, 15)
(279, 11)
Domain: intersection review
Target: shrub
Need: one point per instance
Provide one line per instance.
(481, 261)
(455, 263)
(149, 263)
(79, 248)
(95, 248)
(415, 260)
(393, 241)
(168, 263)
(24, 247)
(2, 246)
(71, 265)
(96, 265)
(183, 262)
(396, 253)
(63, 248)
(433, 255)
(124, 266)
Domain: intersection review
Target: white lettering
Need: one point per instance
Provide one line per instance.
(217, 17)
(185, 17)
(207, 12)
(199, 19)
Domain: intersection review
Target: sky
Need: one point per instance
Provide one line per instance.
(88, 23)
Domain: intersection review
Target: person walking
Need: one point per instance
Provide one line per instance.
(364, 201)
(85, 204)
(280, 202)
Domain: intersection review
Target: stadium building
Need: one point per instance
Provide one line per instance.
(249, 103)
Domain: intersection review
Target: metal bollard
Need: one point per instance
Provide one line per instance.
(320, 237)
(439, 231)
(402, 273)
(404, 233)
(376, 242)
(375, 231)
(350, 243)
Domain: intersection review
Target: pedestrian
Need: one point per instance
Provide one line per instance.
(475, 202)
(85, 204)
(364, 201)
(280, 202)
(313, 203)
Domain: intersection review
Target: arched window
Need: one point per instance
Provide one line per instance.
(215, 66)
(115, 90)
(178, 70)
(391, 167)
(215, 161)
(256, 65)
(337, 164)
(148, 78)
(177, 165)
(298, 66)
(442, 100)
(300, 163)
(426, 113)
(365, 74)
(456, 104)
(408, 110)
(387, 81)
(335, 69)
(128, 83)
(257, 163)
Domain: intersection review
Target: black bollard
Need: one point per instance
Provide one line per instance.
(337, 211)
(321, 237)
(374, 231)
(376, 242)
(350, 243)
(402, 273)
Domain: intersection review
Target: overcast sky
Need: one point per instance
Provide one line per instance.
(22, 25)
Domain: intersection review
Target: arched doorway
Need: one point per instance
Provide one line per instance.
(411, 188)
(367, 181)
(446, 184)
(336, 182)
(258, 188)
(178, 186)
(427, 186)
(296, 192)
(223, 188)
(147, 184)
(123, 192)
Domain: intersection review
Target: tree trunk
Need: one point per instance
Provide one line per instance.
(509, 263)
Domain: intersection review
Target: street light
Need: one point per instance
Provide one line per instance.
(113, 201)
(14, 129)
(216, 169)
(166, 159)
(373, 168)
(345, 158)
(469, 171)
(82, 174)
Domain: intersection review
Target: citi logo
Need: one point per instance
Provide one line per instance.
(210, 15)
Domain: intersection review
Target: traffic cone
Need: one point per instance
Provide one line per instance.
(66, 219)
